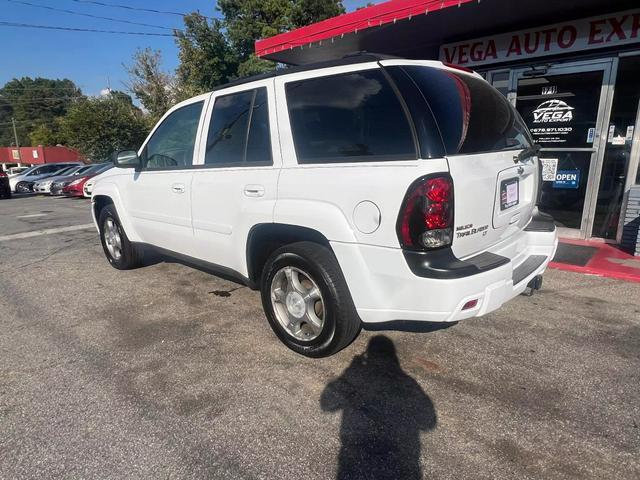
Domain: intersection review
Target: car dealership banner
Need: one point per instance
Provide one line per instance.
(607, 30)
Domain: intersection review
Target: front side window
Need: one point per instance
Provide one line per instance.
(472, 116)
(173, 142)
(354, 117)
(239, 130)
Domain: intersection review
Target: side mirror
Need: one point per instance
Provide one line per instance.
(126, 159)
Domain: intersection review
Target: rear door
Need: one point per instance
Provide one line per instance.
(234, 186)
(495, 189)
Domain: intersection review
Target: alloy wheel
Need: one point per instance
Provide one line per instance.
(297, 303)
(112, 238)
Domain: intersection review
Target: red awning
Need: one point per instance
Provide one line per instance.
(417, 28)
(353, 22)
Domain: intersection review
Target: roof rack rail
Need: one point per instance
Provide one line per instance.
(348, 59)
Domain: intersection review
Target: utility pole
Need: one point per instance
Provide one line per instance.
(15, 135)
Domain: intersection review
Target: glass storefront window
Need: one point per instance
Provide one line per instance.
(561, 111)
(618, 150)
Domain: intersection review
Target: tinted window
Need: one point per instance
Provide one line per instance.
(472, 116)
(239, 129)
(172, 144)
(353, 117)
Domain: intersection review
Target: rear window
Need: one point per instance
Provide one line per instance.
(472, 116)
(353, 117)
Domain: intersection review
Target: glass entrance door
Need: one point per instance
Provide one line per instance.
(565, 107)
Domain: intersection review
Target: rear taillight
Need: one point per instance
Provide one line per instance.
(2, 174)
(426, 217)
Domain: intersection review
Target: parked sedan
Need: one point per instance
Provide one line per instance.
(37, 172)
(76, 187)
(59, 183)
(44, 185)
(5, 189)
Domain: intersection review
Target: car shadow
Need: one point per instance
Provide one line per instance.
(384, 411)
(153, 256)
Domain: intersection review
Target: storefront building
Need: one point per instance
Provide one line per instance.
(571, 68)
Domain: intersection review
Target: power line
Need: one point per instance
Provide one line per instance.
(73, 12)
(90, 30)
(6, 89)
(140, 9)
(20, 101)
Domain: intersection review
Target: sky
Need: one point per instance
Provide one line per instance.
(93, 61)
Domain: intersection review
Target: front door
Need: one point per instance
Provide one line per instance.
(158, 197)
(565, 108)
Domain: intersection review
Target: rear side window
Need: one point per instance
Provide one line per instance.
(239, 130)
(354, 117)
(472, 116)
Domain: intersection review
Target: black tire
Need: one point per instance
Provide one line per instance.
(131, 255)
(22, 187)
(341, 322)
(6, 194)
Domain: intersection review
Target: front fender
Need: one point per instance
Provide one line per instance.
(110, 189)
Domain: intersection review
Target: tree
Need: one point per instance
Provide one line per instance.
(155, 88)
(99, 126)
(306, 12)
(246, 21)
(44, 134)
(33, 103)
(206, 60)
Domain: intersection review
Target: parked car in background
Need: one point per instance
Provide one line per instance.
(16, 170)
(38, 171)
(59, 183)
(75, 188)
(44, 184)
(88, 185)
(5, 189)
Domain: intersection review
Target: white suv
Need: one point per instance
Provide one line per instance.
(361, 191)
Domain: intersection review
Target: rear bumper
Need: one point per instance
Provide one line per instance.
(385, 289)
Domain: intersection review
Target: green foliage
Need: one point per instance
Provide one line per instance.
(99, 126)
(33, 102)
(306, 12)
(46, 134)
(254, 66)
(215, 52)
(155, 88)
(206, 59)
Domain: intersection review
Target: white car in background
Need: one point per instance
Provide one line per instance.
(88, 187)
(15, 171)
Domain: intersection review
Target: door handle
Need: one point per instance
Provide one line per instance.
(254, 190)
(177, 188)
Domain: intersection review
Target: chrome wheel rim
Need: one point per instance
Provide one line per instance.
(112, 238)
(297, 303)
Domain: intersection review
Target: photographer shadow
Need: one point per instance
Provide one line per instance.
(384, 411)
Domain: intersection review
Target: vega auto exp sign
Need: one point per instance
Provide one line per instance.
(585, 34)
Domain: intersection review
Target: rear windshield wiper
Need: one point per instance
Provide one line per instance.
(531, 151)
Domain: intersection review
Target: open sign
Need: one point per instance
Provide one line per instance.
(567, 179)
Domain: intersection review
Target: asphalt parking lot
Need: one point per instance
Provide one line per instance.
(168, 372)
